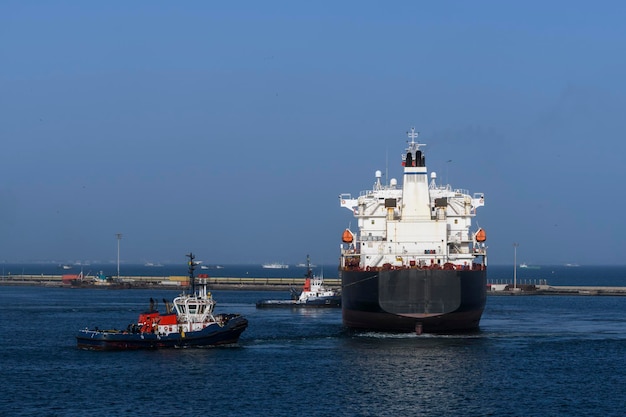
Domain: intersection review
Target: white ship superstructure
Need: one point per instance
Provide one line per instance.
(421, 224)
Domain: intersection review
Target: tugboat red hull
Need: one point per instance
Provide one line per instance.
(413, 300)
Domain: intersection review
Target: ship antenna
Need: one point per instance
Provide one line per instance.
(413, 146)
(387, 167)
(309, 272)
(192, 266)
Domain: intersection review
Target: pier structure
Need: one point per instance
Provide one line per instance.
(172, 282)
(495, 288)
(541, 287)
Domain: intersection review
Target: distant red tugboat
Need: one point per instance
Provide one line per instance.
(190, 322)
(313, 294)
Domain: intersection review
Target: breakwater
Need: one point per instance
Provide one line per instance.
(276, 284)
(248, 283)
(556, 290)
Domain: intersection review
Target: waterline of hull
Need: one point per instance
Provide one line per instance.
(434, 301)
(213, 335)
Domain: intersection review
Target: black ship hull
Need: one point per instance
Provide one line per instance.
(413, 300)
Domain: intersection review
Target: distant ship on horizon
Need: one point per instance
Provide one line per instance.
(275, 265)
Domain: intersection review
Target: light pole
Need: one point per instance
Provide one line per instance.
(119, 237)
(515, 245)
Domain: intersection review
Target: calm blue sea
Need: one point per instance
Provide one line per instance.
(534, 356)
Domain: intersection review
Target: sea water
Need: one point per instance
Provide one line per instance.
(533, 356)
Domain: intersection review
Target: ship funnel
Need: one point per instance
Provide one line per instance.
(415, 194)
(420, 161)
(409, 159)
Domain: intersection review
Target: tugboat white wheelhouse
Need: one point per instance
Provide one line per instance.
(414, 264)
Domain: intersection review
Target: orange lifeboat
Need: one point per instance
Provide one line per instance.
(481, 235)
(347, 236)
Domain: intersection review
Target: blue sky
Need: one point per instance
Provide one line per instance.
(230, 128)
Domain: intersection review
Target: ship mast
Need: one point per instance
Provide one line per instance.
(192, 267)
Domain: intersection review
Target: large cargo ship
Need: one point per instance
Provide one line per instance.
(414, 264)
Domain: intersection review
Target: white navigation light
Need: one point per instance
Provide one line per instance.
(433, 175)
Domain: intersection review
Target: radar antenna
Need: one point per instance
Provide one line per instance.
(413, 146)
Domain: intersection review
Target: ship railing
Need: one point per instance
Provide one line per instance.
(432, 258)
(458, 192)
(370, 238)
(388, 266)
(351, 259)
(366, 193)
(422, 254)
(446, 190)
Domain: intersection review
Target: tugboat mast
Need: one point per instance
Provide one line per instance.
(192, 267)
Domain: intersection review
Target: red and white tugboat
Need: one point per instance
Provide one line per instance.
(313, 294)
(190, 322)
